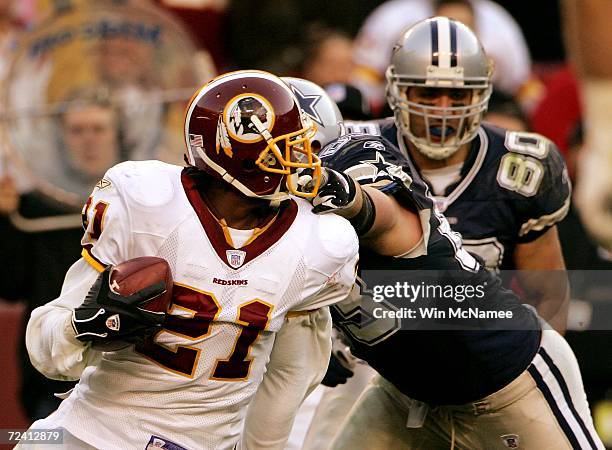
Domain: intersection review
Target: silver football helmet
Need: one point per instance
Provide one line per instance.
(320, 108)
(439, 53)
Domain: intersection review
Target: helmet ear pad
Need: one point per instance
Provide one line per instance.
(245, 128)
(439, 53)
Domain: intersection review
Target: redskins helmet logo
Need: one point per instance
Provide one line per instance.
(239, 113)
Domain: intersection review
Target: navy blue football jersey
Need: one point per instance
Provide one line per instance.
(513, 187)
(435, 366)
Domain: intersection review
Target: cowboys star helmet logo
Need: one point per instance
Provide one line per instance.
(246, 116)
(308, 103)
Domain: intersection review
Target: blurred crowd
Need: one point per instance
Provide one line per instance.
(66, 119)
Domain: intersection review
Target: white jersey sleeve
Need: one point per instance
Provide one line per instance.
(52, 347)
(129, 200)
(297, 365)
(331, 278)
(50, 340)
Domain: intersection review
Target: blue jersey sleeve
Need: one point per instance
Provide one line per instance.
(534, 172)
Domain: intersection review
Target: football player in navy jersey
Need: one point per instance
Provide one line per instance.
(495, 386)
(504, 191)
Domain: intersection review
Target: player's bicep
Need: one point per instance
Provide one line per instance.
(544, 253)
(542, 277)
(50, 340)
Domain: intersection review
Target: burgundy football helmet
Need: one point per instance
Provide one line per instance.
(247, 128)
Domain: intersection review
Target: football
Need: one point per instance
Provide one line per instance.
(136, 274)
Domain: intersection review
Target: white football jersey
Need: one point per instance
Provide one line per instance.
(190, 383)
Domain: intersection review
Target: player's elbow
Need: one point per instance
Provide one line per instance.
(52, 351)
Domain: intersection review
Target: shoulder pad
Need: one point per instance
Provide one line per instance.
(153, 195)
(337, 236)
(332, 245)
(327, 241)
(144, 183)
(361, 127)
(330, 234)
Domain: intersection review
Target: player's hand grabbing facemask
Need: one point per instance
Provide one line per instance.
(107, 316)
(337, 190)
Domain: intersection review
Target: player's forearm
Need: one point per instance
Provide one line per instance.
(297, 364)
(556, 310)
(548, 291)
(395, 230)
(52, 347)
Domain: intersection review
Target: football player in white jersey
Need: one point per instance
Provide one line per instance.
(253, 269)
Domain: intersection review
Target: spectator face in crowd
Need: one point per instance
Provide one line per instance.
(327, 57)
(91, 139)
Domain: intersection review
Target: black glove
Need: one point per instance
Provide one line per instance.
(106, 316)
(337, 190)
(336, 373)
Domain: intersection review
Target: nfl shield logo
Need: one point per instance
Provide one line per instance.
(511, 440)
(235, 258)
(441, 203)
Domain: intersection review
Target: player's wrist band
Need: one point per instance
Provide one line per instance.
(364, 219)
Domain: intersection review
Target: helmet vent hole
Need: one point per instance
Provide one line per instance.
(249, 165)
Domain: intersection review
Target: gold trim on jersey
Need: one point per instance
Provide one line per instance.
(92, 260)
(256, 231)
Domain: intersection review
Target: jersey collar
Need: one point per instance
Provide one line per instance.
(216, 231)
(470, 169)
